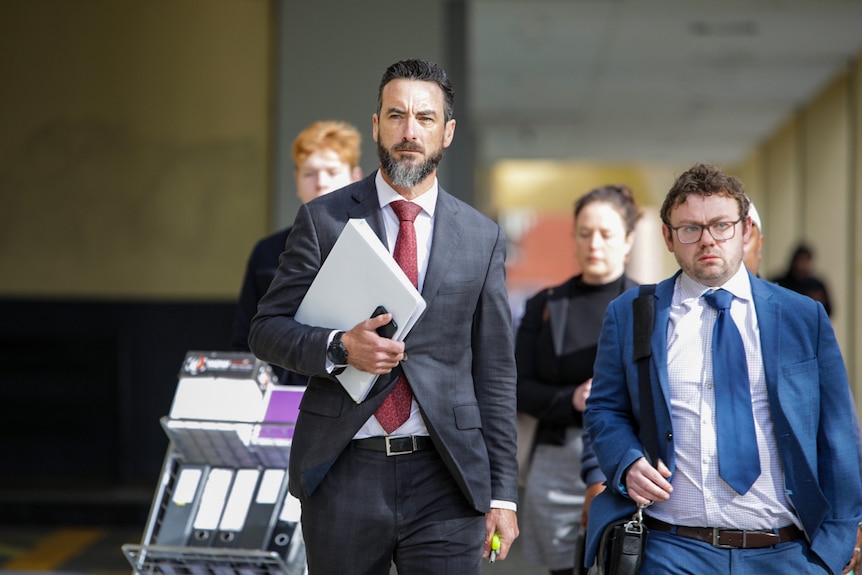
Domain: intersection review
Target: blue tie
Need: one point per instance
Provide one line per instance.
(738, 459)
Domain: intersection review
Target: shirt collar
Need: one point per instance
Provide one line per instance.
(386, 194)
(739, 285)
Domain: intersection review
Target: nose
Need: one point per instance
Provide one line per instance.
(706, 236)
(322, 179)
(410, 128)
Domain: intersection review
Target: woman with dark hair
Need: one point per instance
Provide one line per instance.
(555, 349)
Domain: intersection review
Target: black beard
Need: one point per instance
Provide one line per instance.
(405, 174)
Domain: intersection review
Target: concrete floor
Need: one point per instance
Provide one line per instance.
(97, 551)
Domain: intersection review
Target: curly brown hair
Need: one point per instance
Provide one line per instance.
(704, 180)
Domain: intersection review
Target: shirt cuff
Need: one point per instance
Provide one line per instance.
(510, 505)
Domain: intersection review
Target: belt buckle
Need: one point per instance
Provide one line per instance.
(716, 539)
(390, 451)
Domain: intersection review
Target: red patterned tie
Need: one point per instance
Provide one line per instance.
(395, 409)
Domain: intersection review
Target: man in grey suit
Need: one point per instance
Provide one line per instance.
(796, 510)
(428, 490)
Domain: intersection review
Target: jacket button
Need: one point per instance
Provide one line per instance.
(668, 436)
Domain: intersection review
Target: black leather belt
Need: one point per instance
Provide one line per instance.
(395, 444)
(729, 538)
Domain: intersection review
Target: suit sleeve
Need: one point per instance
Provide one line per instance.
(837, 451)
(275, 336)
(494, 376)
(610, 418)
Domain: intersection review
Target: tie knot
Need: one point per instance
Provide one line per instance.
(719, 299)
(406, 211)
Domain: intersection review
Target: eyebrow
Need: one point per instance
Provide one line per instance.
(714, 220)
(399, 110)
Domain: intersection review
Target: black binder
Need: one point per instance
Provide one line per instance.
(211, 508)
(286, 527)
(264, 509)
(182, 505)
(236, 508)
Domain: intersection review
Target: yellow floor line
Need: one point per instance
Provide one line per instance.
(51, 551)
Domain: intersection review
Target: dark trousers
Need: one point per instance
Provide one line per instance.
(371, 510)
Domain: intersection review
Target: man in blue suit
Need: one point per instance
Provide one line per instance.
(800, 512)
(429, 489)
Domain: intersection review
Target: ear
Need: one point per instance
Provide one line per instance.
(746, 230)
(630, 242)
(374, 127)
(448, 133)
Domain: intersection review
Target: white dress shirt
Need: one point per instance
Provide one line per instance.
(700, 497)
(423, 224)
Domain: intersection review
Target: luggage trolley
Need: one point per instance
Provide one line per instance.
(221, 506)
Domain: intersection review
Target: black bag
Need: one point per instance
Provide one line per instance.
(622, 546)
(623, 542)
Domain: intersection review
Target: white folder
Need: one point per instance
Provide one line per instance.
(358, 275)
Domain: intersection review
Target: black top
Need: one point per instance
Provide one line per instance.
(554, 358)
(259, 272)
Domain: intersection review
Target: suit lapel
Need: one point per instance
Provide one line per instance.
(768, 315)
(447, 237)
(768, 322)
(367, 207)
(664, 297)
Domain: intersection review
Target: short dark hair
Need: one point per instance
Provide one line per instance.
(424, 70)
(704, 180)
(622, 199)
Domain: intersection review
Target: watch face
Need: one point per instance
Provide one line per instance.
(337, 352)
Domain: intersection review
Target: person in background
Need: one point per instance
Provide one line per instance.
(761, 477)
(555, 349)
(423, 472)
(800, 277)
(753, 250)
(325, 158)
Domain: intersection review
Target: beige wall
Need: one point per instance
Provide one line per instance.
(854, 309)
(810, 192)
(134, 153)
(781, 212)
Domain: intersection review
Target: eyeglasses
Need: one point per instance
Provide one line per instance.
(691, 233)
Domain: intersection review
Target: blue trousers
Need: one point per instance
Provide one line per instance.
(667, 553)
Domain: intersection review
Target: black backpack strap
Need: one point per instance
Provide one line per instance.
(643, 308)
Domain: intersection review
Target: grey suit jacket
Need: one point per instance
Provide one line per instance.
(461, 367)
(809, 397)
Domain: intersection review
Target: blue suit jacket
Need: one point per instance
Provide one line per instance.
(462, 364)
(809, 396)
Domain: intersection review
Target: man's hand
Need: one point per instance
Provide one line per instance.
(367, 351)
(503, 522)
(647, 484)
(856, 558)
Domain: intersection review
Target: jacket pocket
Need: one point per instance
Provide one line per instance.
(322, 401)
(468, 416)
